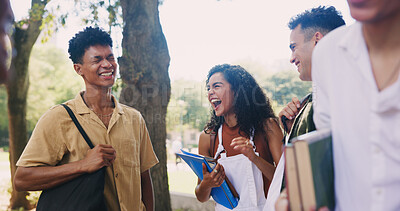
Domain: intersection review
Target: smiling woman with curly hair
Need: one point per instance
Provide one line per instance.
(243, 118)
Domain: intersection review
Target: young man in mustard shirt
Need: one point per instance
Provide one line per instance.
(57, 153)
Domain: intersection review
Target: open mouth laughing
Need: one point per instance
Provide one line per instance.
(215, 102)
(297, 64)
(107, 74)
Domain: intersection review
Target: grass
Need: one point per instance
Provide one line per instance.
(4, 162)
(182, 181)
(4, 156)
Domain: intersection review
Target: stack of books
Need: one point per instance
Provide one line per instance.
(309, 172)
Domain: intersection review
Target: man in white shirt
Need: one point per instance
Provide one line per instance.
(358, 96)
(356, 70)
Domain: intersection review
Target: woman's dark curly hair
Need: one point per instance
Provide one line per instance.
(250, 104)
(85, 39)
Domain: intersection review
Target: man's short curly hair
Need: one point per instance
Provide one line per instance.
(84, 39)
(322, 19)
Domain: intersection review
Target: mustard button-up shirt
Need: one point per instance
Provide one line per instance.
(56, 141)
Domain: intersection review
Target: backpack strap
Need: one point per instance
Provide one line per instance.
(212, 143)
(286, 130)
(76, 122)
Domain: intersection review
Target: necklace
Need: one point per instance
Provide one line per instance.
(102, 115)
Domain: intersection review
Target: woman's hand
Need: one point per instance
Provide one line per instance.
(214, 178)
(244, 146)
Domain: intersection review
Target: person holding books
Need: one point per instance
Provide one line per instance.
(358, 96)
(356, 70)
(307, 29)
(244, 136)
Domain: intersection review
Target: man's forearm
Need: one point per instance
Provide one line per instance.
(147, 190)
(45, 177)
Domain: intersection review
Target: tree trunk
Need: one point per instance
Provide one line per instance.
(144, 69)
(17, 89)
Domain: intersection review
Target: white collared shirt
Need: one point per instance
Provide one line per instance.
(365, 122)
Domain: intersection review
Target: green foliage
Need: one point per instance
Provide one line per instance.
(283, 86)
(197, 106)
(96, 11)
(3, 117)
(52, 19)
(117, 88)
(47, 27)
(188, 105)
(36, 12)
(113, 14)
(52, 81)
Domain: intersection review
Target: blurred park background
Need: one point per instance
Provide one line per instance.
(199, 35)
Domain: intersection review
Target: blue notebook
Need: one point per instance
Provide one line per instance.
(225, 194)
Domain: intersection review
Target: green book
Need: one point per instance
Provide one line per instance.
(315, 172)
